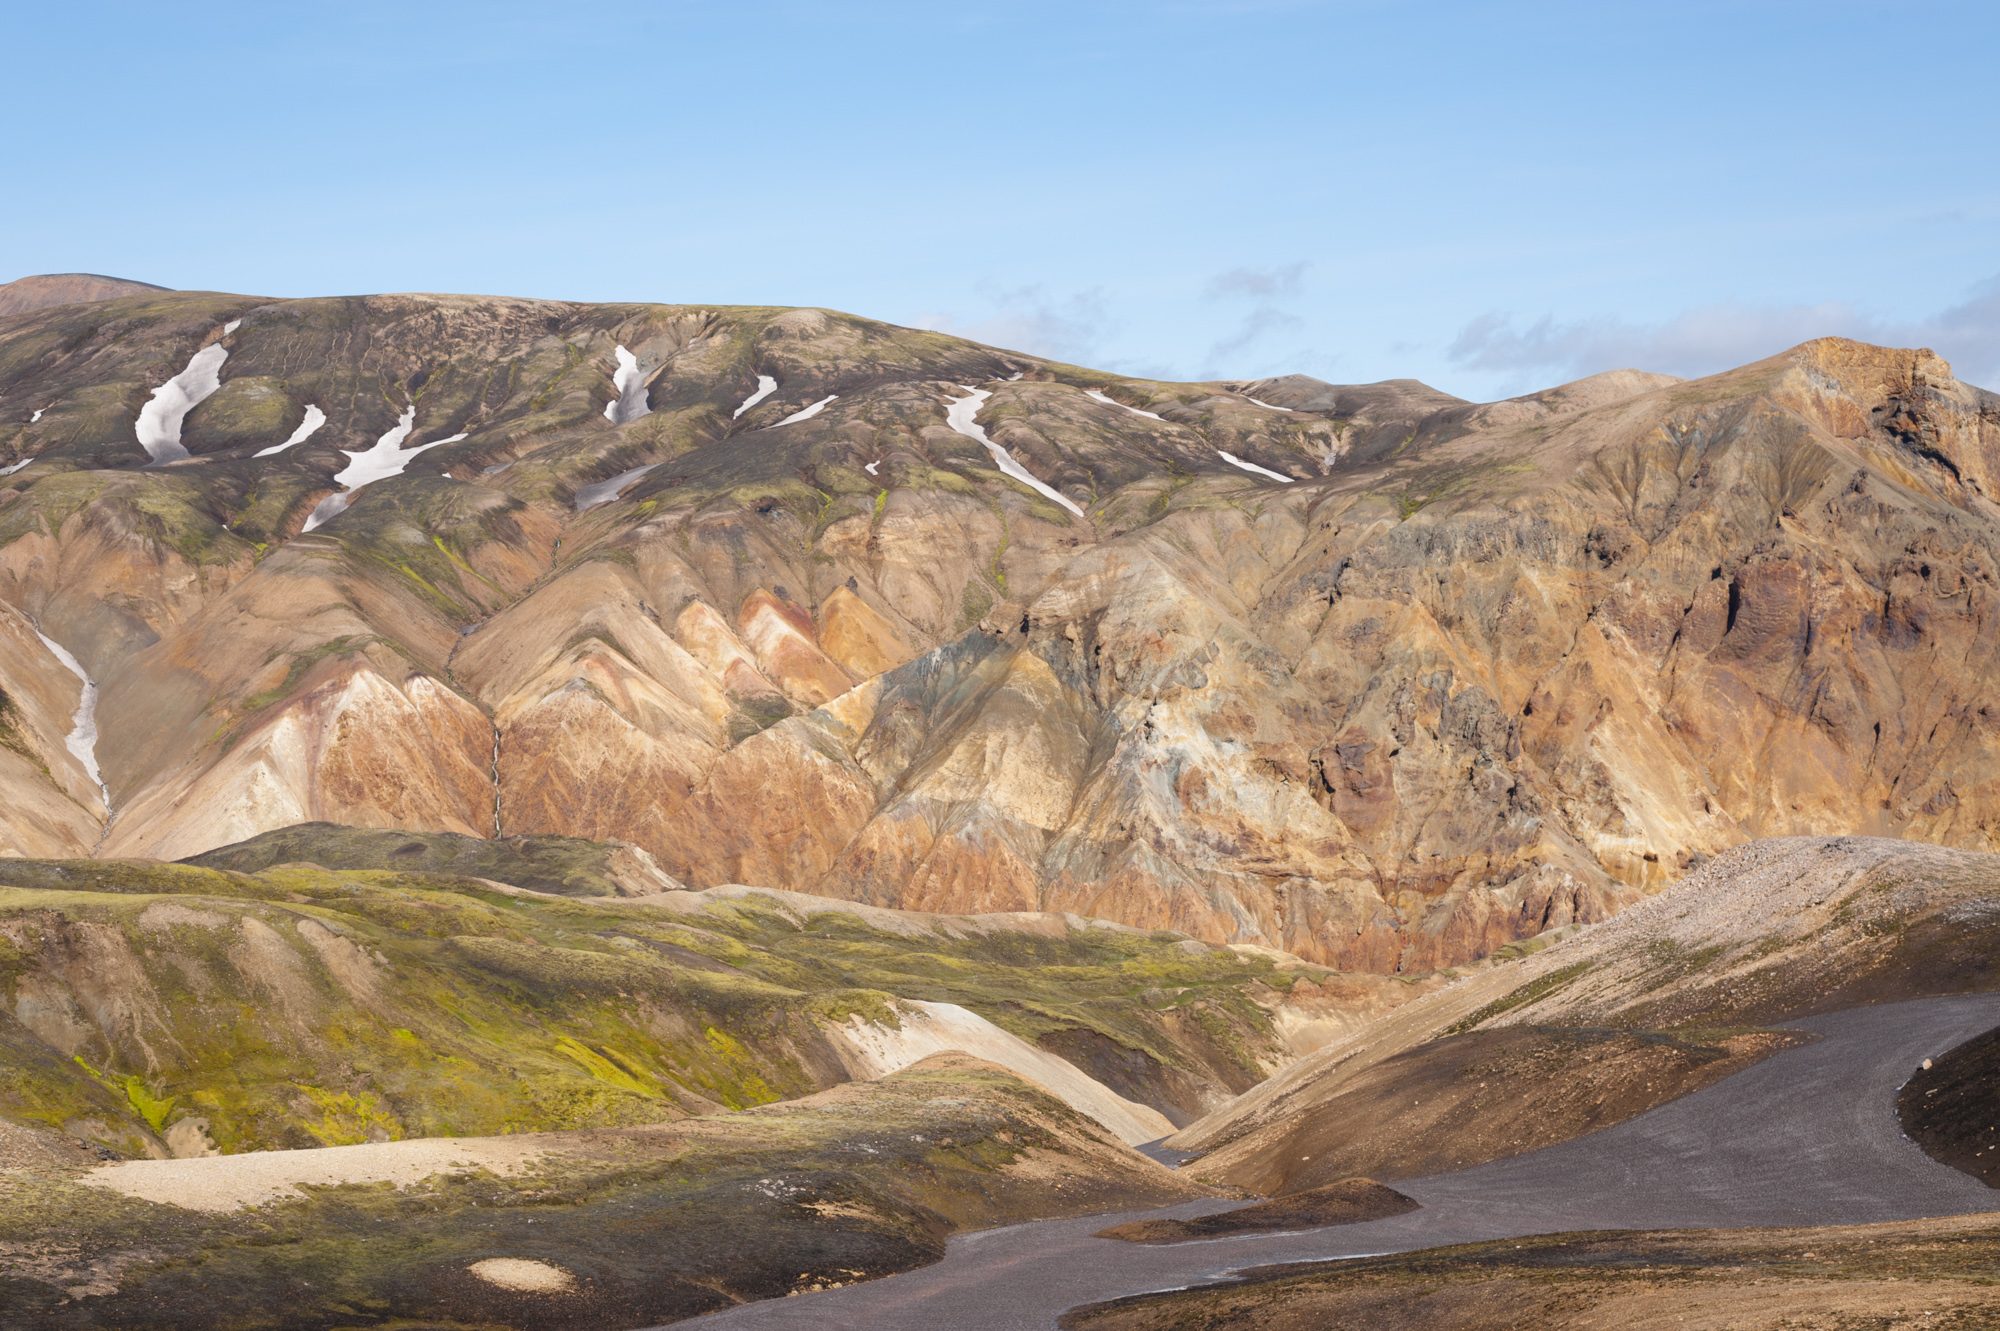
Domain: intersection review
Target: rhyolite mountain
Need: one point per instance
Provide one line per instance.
(46, 289)
(795, 599)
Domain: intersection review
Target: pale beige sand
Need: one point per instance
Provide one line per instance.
(232, 1182)
(523, 1275)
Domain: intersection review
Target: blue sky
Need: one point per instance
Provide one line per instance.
(1488, 197)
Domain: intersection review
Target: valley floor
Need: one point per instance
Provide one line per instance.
(1808, 1137)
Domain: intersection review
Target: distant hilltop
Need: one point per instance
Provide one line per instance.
(46, 289)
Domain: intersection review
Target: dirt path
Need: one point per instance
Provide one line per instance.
(1807, 1137)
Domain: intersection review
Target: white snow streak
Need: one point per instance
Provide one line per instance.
(1235, 461)
(82, 740)
(387, 458)
(1111, 401)
(37, 416)
(160, 420)
(231, 327)
(961, 414)
(631, 403)
(870, 468)
(13, 467)
(314, 419)
(1268, 406)
(807, 413)
(766, 386)
(590, 496)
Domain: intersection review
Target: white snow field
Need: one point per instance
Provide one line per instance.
(766, 386)
(590, 496)
(871, 1051)
(160, 420)
(387, 458)
(314, 419)
(1110, 401)
(961, 413)
(1268, 406)
(82, 739)
(805, 413)
(631, 403)
(1235, 461)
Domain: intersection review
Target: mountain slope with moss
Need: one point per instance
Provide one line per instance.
(173, 1009)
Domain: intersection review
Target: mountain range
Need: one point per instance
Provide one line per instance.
(797, 599)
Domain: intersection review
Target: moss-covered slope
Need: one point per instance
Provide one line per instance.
(152, 1007)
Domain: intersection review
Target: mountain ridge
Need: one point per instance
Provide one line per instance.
(1402, 688)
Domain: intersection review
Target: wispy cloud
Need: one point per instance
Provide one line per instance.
(1709, 338)
(1070, 326)
(1287, 279)
(1270, 292)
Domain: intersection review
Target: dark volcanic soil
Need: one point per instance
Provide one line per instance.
(1952, 1108)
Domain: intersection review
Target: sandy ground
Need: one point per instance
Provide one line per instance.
(231, 1182)
(522, 1273)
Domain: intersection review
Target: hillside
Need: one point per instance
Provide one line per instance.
(791, 598)
(1670, 996)
(154, 1010)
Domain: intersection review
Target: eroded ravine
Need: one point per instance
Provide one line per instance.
(82, 738)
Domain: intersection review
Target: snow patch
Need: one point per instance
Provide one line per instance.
(631, 403)
(231, 327)
(1111, 401)
(37, 416)
(1268, 406)
(806, 413)
(13, 467)
(872, 1051)
(82, 739)
(160, 420)
(766, 386)
(961, 414)
(1235, 461)
(387, 458)
(590, 496)
(314, 419)
(869, 468)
